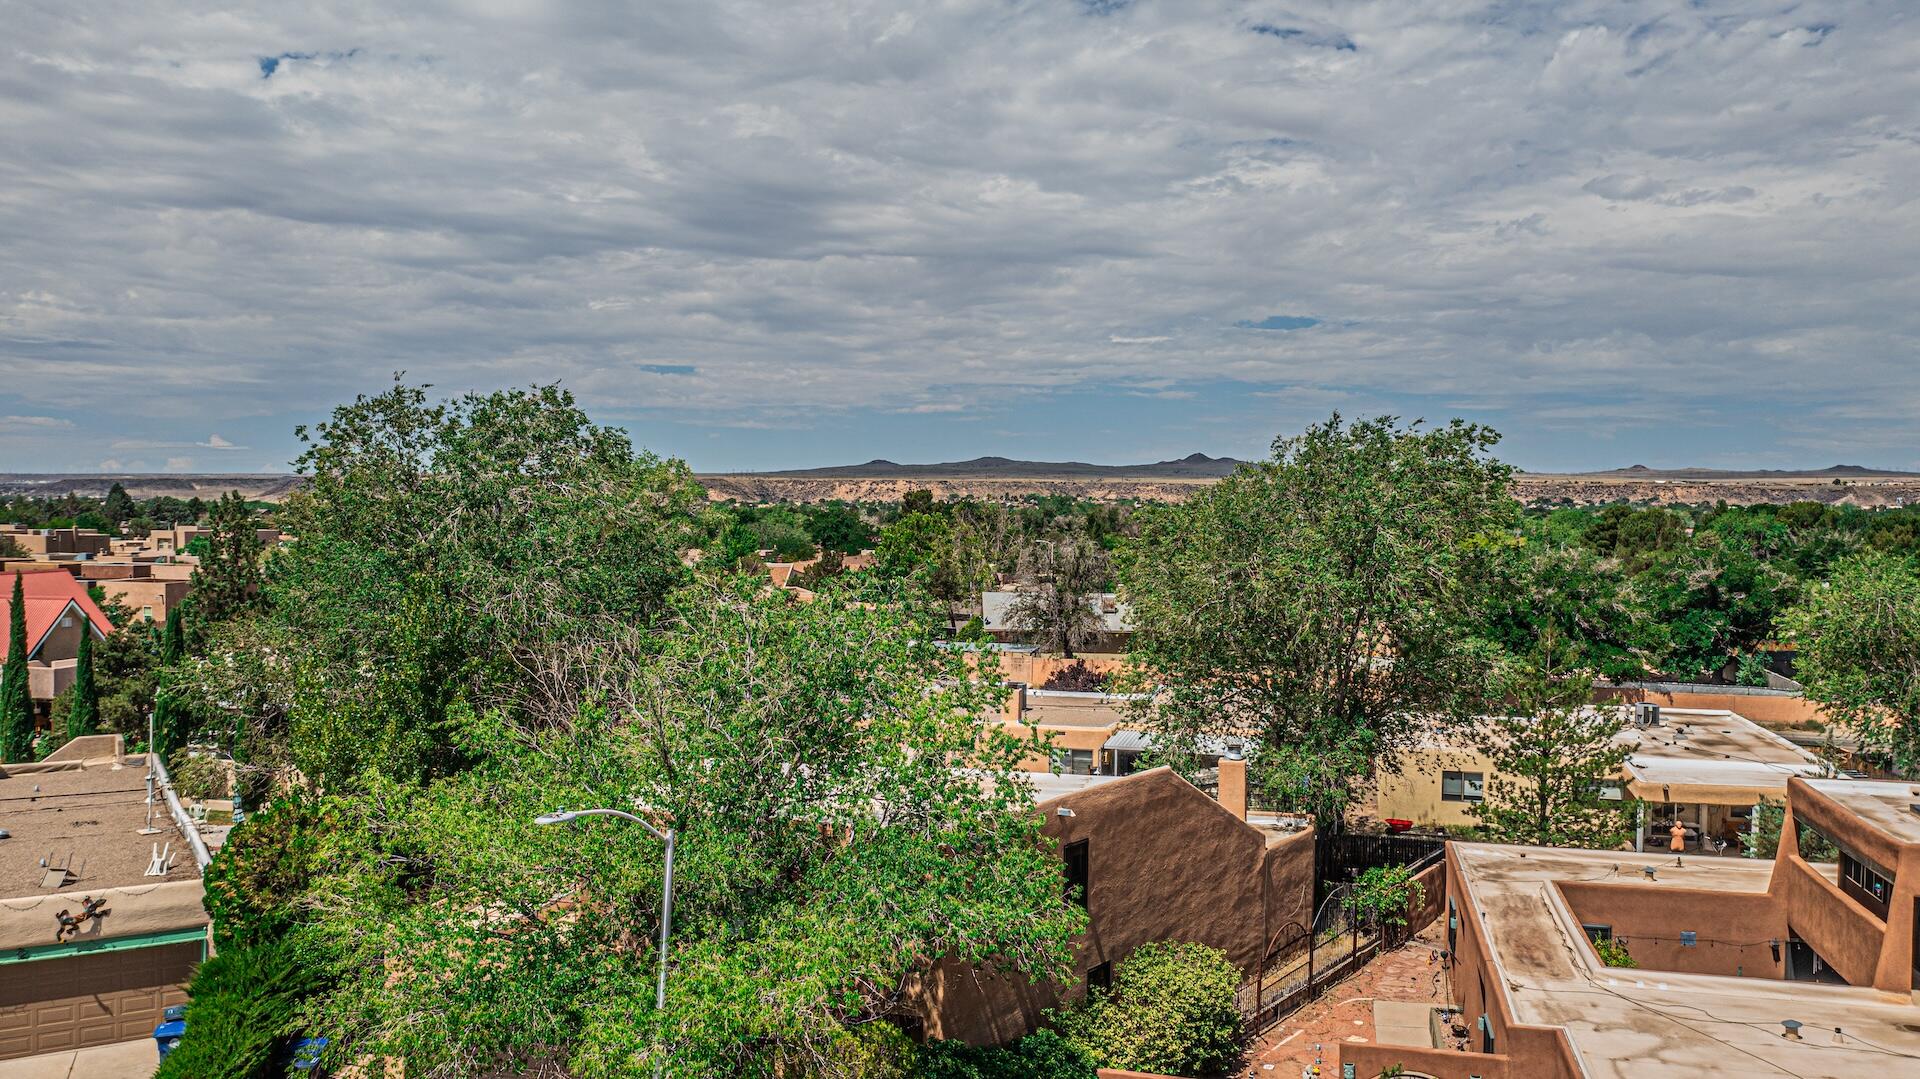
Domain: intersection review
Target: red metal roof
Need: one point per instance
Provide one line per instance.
(47, 595)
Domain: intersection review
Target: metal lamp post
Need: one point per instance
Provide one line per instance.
(666, 888)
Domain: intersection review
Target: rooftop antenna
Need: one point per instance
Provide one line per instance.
(150, 829)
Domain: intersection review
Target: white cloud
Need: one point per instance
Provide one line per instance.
(179, 464)
(53, 422)
(1709, 211)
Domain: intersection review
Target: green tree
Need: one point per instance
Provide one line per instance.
(445, 550)
(847, 815)
(229, 579)
(1171, 1012)
(912, 544)
(16, 700)
(1314, 602)
(1058, 596)
(1553, 754)
(1859, 652)
(118, 507)
(83, 704)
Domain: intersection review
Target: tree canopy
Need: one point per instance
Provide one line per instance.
(1859, 638)
(1313, 601)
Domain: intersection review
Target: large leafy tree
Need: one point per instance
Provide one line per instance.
(446, 551)
(845, 818)
(1060, 586)
(1314, 601)
(16, 700)
(1859, 652)
(1554, 755)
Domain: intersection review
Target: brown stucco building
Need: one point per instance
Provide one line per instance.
(1156, 859)
(1743, 967)
(84, 810)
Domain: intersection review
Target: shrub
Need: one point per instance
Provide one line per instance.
(1171, 1010)
(1077, 677)
(1613, 953)
(1040, 1055)
(242, 1015)
(199, 778)
(256, 879)
(1383, 895)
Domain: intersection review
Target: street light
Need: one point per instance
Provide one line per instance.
(562, 816)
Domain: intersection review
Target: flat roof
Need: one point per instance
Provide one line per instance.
(88, 819)
(1639, 1023)
(1048, 786)
(1078, 710)
(1713, 756)
(1887, 806)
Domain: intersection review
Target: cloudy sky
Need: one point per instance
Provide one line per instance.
(784, 234)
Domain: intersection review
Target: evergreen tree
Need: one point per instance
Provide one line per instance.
(169, 716)
(173, 643)
(16, 702)
(83, 703)
(118, 507)
(228, 581)
(1555, 756)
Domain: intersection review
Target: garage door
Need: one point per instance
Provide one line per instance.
(52, 1004)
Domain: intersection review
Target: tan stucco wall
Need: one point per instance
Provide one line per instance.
(62, 641)
(161, 595)
(134, 910)
(1735, 929)
(1862, 948)
(1411, 791)
(1165, 863)
(1533, 1051)
(1766, 709)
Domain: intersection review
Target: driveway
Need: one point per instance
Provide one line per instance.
(123, 1060)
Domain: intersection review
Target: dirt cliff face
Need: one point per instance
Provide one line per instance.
(1581, 490)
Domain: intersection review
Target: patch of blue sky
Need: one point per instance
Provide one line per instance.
(1278, 322)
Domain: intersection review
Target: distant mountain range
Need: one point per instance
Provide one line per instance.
(1642, 472)
(1196, 466)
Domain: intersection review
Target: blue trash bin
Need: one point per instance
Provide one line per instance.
(173, 1025)
(306, 1056)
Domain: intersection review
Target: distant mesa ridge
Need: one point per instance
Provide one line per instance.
(1192, 466)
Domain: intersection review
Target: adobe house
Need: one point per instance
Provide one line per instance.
(106, 977)
(1742, 967)
(1154, 859)
(55, 605)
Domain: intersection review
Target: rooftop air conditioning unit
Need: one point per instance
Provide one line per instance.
(1646, 715)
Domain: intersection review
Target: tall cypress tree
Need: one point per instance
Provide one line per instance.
(16, 701)
(167, 713)
(83, 706)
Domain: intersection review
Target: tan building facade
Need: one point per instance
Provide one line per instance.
(1158, 860)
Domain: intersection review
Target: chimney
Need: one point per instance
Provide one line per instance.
(1233, 783)
(1017, 702)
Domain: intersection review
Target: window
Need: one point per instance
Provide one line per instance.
(1865, 882)
(1077, 878)
(1073, 762)
(1100, 977)
(1598, 933)
(1462, 786)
